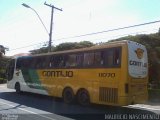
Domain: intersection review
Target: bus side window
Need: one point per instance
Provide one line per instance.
(45, 62)
(116, 56)
(41, 62)
(71, 60)
(59, 61)
(79, 60)
(38, 63)
(51, 63)
(25, 63)
(56, 61)
(30, 62)
(19, 64)
(112, 57)
(88, 59)
(99, 58)
(33, 63)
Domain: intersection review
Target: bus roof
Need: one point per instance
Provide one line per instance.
(105, 45)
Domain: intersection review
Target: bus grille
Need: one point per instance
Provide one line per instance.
(108, 94)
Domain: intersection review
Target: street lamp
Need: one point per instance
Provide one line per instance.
(27, 6)
(50, 34)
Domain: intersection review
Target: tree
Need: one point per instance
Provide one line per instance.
(64, 46)
(159, 32)
(2, 50)
(73, 45)
(39, 51)
(3, 63)
(3, 67)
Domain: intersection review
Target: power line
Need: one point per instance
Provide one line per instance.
(27, 46)
(89, 40)
(115, 29)
(93, 33)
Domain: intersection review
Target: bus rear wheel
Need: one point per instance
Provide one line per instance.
(17, 87)
(68, 95)
(83, 97)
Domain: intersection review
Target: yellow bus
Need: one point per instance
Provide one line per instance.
(115, 73)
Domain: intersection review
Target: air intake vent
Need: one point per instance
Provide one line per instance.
(109, 95)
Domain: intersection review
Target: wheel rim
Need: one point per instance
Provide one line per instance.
(68, 96)
(83, 98)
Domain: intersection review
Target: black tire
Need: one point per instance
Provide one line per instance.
(17, 87)
(83, 97)
(68, 95)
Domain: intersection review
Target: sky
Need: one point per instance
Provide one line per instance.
(22, 31)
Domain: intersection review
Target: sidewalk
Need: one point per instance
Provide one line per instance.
(3, 85)
(154, 102)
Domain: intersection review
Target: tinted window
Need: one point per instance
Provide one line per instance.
(99, 58)
(51, 63)
(59, 61)
(19, 63)
(112, 57)
(71, 60)
(80, 59)
(24, 63)
(88, 59)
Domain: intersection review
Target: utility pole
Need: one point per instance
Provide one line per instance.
(50, 34)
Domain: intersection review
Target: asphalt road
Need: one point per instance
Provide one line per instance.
(27, 106)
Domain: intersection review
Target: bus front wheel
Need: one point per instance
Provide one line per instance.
(83, 97)
(17, 87)
(68, 95)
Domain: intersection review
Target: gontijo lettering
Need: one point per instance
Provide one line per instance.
(137, 63)
(57, 73)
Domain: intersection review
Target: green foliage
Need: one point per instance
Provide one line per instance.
(3, 67)
(150, 41)
(2, 49)
(64, 46)
(85, 44)
(39, 51)
(73, 45)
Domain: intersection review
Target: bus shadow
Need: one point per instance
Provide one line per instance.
(75, 111)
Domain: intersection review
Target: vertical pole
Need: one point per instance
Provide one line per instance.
(50, 34)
